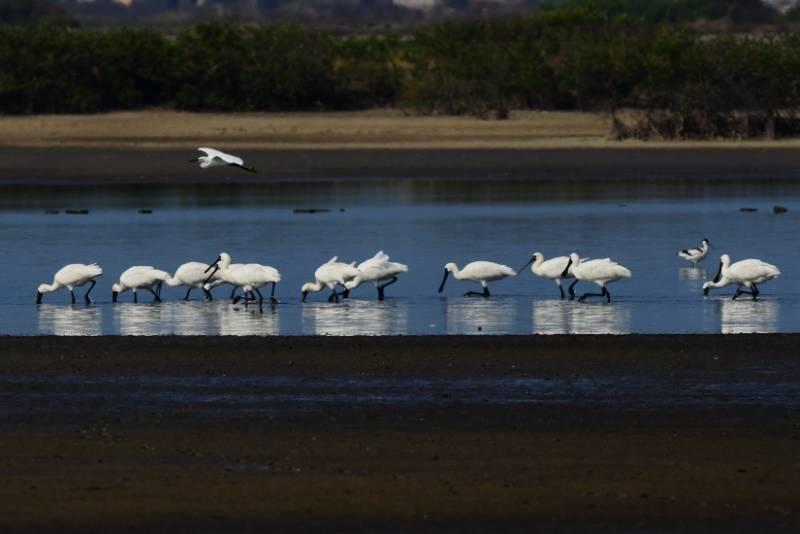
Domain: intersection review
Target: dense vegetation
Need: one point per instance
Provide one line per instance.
(677, 82)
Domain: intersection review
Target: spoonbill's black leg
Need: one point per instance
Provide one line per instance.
(272, 296)
(260, 297)
(233, 292)
(345, 293)
(72, 293)
(187, 293)
(485, 293)
(156, 298)
(381, 288)
(571, 290)
(755, 292)
(207, 294)
(86, 295)
(158, 290)
(135, 298)
(604, 293)
(561, 290)
(334, 297)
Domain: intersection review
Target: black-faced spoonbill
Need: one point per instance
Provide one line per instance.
(377, 269)
(330, 274)
(744, 273)
(140, 277)
(249, 277)
(194, 274)
(217, 158)
(600, 272)
(552, 269)
(694, 255)
(478, 271)
(72, 276)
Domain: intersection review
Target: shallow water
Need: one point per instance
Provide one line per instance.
(424, 224)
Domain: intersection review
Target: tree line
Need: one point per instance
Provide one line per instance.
(656, 79)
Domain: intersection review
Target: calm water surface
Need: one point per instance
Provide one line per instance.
(424, 224)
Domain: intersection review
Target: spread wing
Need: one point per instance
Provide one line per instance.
(227, 158)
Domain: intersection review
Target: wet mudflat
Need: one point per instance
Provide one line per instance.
(569, 433)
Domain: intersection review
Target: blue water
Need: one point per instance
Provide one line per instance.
(420, 224)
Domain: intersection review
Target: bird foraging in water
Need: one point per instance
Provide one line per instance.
(72, 276)
(217, 158)
(695, 255)
(194, 274)
(600, 272)
(140, 277)
(249, 277)
(478, 271)
(744, 273)
(377, 269)
(330, 274)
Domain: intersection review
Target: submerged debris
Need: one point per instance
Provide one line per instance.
(145, 210)
(779, 209)
(77, 212)
(310, 210)
(749, 210)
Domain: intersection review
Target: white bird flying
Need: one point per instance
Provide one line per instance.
(478, 271)
(600, 272)
(71, 276)
(377, 269)
(744, 273)
(194, 274)
(140, 277)
(330, 274)
(695, 255)
(552, 269)
(217, 158)
(249, 277)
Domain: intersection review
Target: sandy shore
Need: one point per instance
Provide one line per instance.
(154, 147)
(646, 433)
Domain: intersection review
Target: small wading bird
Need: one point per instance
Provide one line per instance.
(330, 274)
(744, 273)
(249, 277)
(600, 272)
(216, 158)
(478, 271)
(72, 276)
(377, 269)
(552, 269)
(695, 255)
(140, 277)
(194, 274)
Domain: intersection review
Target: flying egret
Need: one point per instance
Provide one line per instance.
(695, 255)
(552, 269)
(600, 272)
(140, 277)
(377, 269)
(71, 276)
(216, 158)
(250, 277)
(330, 274)
(194, 274)
(744, 273)
(478, 271)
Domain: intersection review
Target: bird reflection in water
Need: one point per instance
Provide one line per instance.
(746, 316)
(241, 320)
(561, 317)
(692, 273)
(142, 320)
(62, 320)
(480, 316)
(356, 317)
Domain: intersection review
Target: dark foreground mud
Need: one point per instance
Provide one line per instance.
(565, 433)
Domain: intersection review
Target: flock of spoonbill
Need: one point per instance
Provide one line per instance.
(249, 278)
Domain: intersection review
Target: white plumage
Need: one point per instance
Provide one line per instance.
(71, 276)
(140, 277)
(694, 255)
(600, 272)
(217, 158)
(194, 274)
(250, 277)
(377, 269)
(744, 273)
(553, 269)
(478, 271)
(330, 274)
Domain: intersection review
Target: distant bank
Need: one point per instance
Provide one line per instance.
(154, 146)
